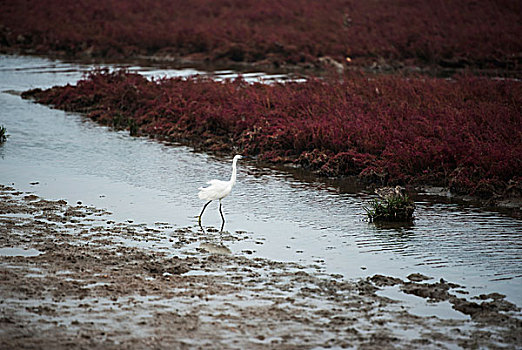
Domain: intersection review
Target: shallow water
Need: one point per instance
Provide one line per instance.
(61, 155)
(17, 251)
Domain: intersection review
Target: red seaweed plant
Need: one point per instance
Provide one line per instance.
(481, 34)
(464, 133)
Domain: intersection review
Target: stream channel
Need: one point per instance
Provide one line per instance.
(59, 155)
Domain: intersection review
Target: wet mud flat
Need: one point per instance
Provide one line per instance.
(73, 278)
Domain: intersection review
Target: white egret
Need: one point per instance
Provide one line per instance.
(218, 189)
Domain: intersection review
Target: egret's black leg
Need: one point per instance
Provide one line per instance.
(222, 217)
(204, 207)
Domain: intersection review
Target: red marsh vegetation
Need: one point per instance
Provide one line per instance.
(480, 34)
(464, 133)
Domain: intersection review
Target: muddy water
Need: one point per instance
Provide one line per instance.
(60, 155)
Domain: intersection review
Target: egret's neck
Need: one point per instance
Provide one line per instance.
(234, 172)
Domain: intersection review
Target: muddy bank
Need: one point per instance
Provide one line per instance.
(78, 279)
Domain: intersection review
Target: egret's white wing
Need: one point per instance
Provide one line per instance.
(218, 189)
(210, 182)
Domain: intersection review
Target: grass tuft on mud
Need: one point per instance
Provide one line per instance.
(3, 134)
(393, 209)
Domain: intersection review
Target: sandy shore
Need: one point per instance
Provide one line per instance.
(73, 278)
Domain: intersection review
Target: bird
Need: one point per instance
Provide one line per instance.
(218, 189)
(390, 192)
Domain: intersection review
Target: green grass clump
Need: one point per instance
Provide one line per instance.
(391, 209)
(3, 134)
